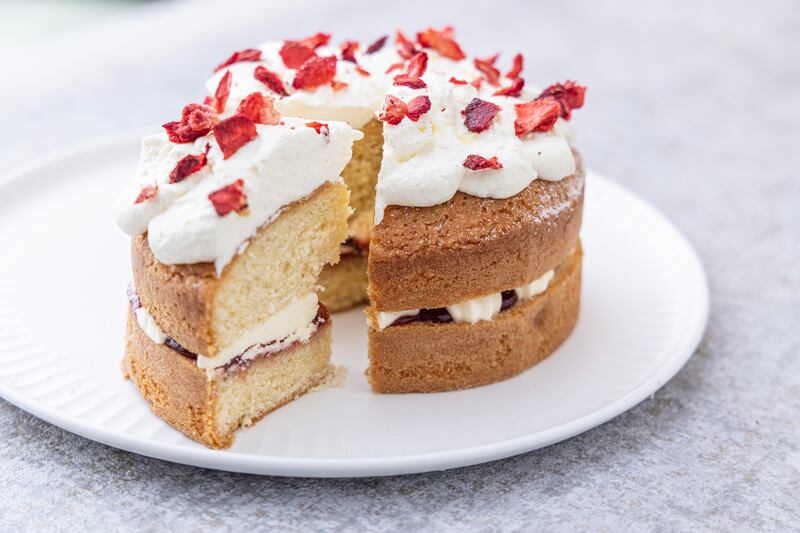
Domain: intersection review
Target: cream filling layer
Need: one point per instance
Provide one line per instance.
(475, 309)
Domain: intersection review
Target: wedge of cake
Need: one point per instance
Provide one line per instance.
(474, 260)
(232, 220)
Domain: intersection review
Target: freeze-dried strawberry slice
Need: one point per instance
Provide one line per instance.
(196, 121)
(315, 72)
(442, 42)
(188, 165)
(377, 45)
(233, 133)
(569, 96)
(405, 47)
(294, 54)
(477, 162)
(478, 115)
(515, 89)
(362, 71)
(271, 80)
(516, 67)
(393, 110)
(147, 192)
(417, 107)
(539, 115)
(408, 81)
(259, 109)
(229, 198)
(395, 66)
(316, 40)
(417, 65)
(456, 81)
(223, 91)
(477, 82)
(349, 51)
(486, 66)
(319, 127)
(248, 54)
(337, 85)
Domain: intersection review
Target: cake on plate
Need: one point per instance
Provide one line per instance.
(232, 220)
(441, 191)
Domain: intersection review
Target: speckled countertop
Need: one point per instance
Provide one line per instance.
(695, 109)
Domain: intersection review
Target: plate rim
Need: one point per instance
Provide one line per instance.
(370, 466)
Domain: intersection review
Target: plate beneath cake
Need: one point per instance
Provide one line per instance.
(62, 317)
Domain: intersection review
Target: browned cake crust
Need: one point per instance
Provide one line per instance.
(429, 257)
(426, 357)
(180, 297)
(180, 393)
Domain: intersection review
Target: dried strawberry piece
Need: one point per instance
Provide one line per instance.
(442, 42)
(316, 40)
(377, 45)
(294, 54)
(569, 96)
(248, 54)
(395, 66)
(477, 82)
(147, 192)
(362, 71)
(405, 47)
(337, 85)
(209, 100)
(456, 81)
(477, 162)
(271, 79)
(417, 107)
(349, 51)
(393, 110)
(188, 165)
(478, 115)
(223, 91)
(259, 109)
(315, 72)
(233, 133)
(196, 121)
(515, 89)
(539, 115)
(229, 198)
(408, 81)
(516, 67)
(417, 65)
(320, 127)
(486, 66)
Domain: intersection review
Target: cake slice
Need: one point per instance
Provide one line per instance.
(232, 221)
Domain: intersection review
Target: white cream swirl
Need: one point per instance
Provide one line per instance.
(282, 164)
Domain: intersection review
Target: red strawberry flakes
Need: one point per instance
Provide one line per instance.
(477, 162)
(271, 79)
(456, 81)
(377, 45)
(188, 165)
(405, 47)
(315, 72)
(196, 121)
(408, 81)
(442, 42)
(147, 192)
(233, 133)
(316, 40)
(393, 111)
(362, 71)
(569, 96)
(320, 127)
(349, 51)
(259, 109)
(223, 91)
(248, 54)
(478, 115)
(294, 54)
(515, 89)
(395, 66)
(417, 65)
(229, 198)
(417, 107)
(487, 68)
(477, 82)
(516, 67)
(539, 115)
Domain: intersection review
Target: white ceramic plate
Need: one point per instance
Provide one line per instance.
(63, 274)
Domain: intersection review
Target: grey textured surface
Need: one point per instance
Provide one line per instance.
(695, 108)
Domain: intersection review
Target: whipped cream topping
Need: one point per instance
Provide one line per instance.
(423, 161)
(281, 165)
(149, 325)
(475, 309)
